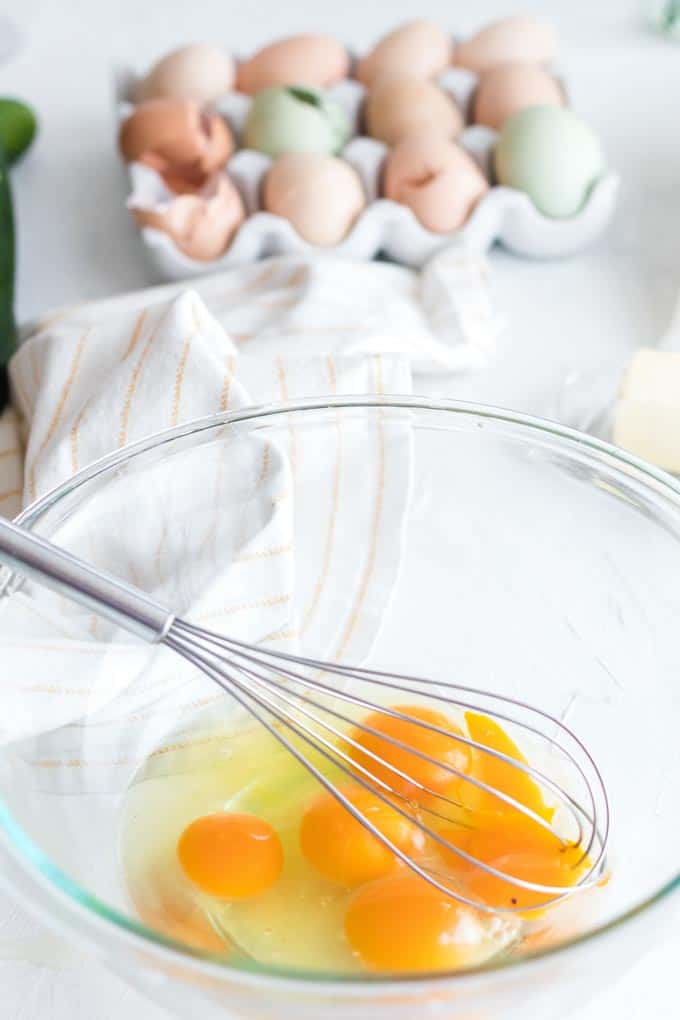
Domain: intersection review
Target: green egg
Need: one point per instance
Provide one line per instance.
(552, 155)
(295, 119)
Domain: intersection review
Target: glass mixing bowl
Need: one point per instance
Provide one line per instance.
(528, 559)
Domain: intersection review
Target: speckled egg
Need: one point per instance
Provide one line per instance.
(316, 60)
(508, 41)
(320, 195)
(436, 179)
(552, 155)
(400, 105)
(419, 48)
(295, 119)
(508, 88)
(202, 72)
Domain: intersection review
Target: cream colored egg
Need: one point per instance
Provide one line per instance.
(419, 48)
(436, 179)
(508, 88)
(316, 60)
(512, 39)
(320, 195)
(202, 226)
(202, 72)
(398, 106)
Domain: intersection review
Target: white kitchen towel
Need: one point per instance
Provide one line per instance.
(440, 319)
(93, 378)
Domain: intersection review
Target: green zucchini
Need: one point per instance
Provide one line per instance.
(17, 128)
(8, 331)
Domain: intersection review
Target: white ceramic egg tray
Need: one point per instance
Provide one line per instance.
(504, 215)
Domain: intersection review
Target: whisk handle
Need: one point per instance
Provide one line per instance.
(48, 565)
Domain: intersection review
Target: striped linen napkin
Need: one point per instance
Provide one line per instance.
(91, 379)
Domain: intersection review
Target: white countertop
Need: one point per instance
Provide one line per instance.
(75, 242)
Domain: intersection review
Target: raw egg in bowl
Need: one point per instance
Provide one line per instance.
(147, 815)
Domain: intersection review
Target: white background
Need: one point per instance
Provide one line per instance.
(75, 242)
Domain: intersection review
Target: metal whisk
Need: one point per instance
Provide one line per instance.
(293, 698)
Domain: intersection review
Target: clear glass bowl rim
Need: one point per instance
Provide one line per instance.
(29, 855)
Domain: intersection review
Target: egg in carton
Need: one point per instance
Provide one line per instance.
(381, 226)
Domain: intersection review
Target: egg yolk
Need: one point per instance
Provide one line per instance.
(503, 837)
(402, 923)
(561, 869)
(498, 774)
(448, 751)
(493, 834)
(339, 846)
(233, 856)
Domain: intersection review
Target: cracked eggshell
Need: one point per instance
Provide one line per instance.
(178, 139)
(202, 225)
(436, 179)
(419, 48)
(315, 60)
(517, 38)
(401, 104)
(202, 72)
(320, 195)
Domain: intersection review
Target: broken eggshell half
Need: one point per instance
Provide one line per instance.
(201, 225)
(178, 138)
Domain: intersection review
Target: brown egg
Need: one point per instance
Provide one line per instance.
(508, 88)
(397, 106)
(420, 48)
(508, 41)
(202, 72)
(178, 139)
(436, 179)
(320, 195)
(202, 226)
(316, 60)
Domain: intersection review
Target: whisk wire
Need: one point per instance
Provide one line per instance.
(244, 695)
(253, 656)
(402, 745)
(225, 672)
(257, 678)
(380, 678)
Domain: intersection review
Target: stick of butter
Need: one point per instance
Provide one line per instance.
(647, 413)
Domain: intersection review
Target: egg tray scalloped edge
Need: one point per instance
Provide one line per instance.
(505, 215)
